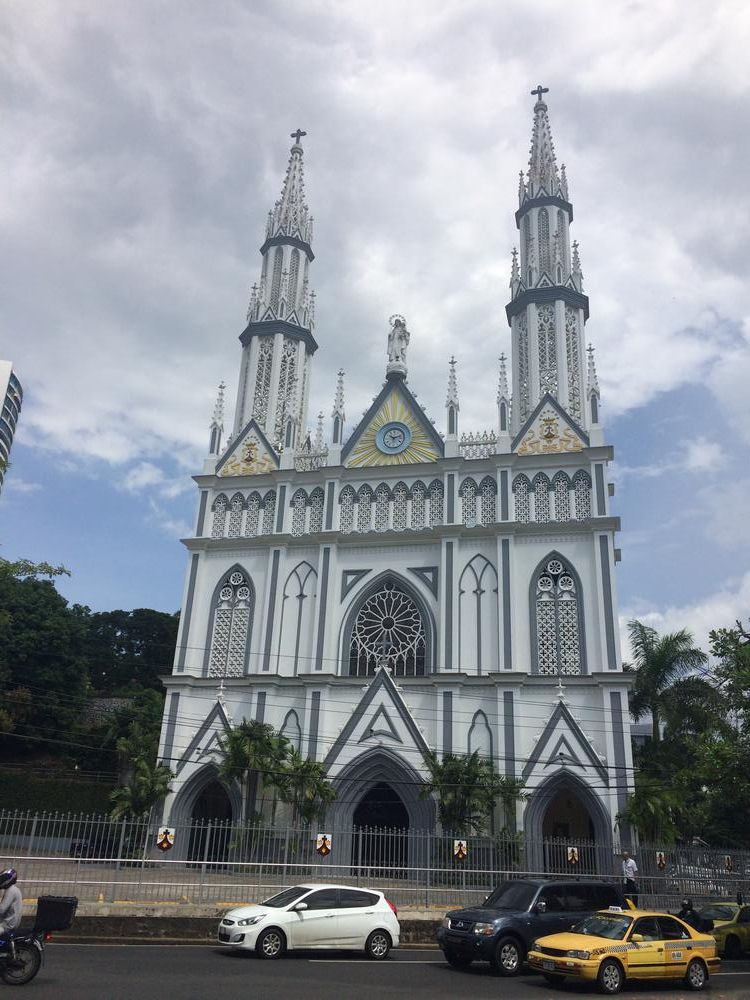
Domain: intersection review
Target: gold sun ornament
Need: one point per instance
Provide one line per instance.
(418, 446)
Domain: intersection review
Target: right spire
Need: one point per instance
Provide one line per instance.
(548, 309)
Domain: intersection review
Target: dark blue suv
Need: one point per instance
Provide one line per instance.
(501, 930)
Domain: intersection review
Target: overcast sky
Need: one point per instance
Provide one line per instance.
(144, 143)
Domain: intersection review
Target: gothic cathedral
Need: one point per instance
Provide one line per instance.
(392, 589)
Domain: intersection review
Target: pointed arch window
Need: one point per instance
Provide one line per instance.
(236, 507)
(389, 631)
(269, 512)
(582, 495)
(231, 626)
(291, 729)
(488, 494)
(521, 493)
(468, 494)
(364, 509)
(561, 485)
(547, 350)
(563, 237)
(278, 262)
(253, 515)
(417, 506)
(437, 504)
(543, 234)
(263, 378)
(293, 279)
(573, 362)
(219, 521)
(527, 247)
(522, 353)
(299, 512)
(557, 614)
(400, 506)
(541, 496)
(382, 507)
(316, 510)
(346, 510)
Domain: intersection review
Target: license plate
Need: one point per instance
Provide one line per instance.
(546, 964)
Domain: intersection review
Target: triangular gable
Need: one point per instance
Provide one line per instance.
(549, 430)
(250, 454)
(381, 716)
(562, 733)
(393, 404)
(428, 575)
(205, 742)
(350, 578)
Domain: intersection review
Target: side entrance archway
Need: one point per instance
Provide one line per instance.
(565, 813)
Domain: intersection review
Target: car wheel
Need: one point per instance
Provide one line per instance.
(611, 978)
(271, 944)
(508, 957)
(696, 976)
(732, 948)
(457, 960)
(378, 945)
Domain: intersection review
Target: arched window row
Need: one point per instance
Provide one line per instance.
(391, 508)
(558, 498)
(478, 501)
(243, 516)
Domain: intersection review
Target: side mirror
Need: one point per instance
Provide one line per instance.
(637, 938)
(299, 907)
(541, 906)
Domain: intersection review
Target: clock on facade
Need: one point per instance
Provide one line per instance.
(393, 438)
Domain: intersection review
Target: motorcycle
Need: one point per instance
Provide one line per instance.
(22, 951)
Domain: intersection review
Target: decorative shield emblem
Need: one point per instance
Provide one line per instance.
(323, 844)
(728, 863)
(165, 838)
(572, 855)
(661, 860)
(460, 850)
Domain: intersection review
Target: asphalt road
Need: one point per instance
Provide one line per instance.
(184, 972)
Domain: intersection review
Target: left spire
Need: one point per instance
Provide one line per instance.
(290, 215)
(217, 422)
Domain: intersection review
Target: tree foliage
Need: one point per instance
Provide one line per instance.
(466, 788)
(147, 786)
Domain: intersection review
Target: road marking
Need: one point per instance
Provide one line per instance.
(392, 964)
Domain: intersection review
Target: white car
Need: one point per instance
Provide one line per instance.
(314, 916)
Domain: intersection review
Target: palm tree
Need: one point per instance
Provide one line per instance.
(147, 786)
(511, 791)
(652, 810)
(304, 785)
(251, 751)
(662, 668)
(467, 788)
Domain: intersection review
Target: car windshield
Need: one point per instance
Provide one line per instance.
(717, 911)
(608, 925)
(286, 896)
(511, 896)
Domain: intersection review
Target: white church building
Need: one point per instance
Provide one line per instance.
(397, 589)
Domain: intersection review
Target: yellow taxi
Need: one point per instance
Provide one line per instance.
(614, 945)
(731, 926)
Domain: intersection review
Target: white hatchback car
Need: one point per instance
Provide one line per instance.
(314, 916)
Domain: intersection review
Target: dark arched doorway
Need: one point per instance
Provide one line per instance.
(381, 827)
(211, 821)
(568, 824)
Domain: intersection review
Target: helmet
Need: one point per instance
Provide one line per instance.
(8, 878)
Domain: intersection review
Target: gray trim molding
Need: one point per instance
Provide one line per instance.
(185, 622)
(509, 734)
(217, 713)
(504, 507)
(330, 498)
(171, 714)
(541, 201)
(448, 656)
(322, 606)
(621, 777)
(288, 241)
(609, 619)
(380, 725)
(271, 608)
(350, 578)
(201, 513)
(563, 714)
(312, 739)
(269, 327)
(428, 575)
(601, 507)
(548, 293)
(260, 707)
(507, 624)
(447, 722)
(280, 511)
(450, 498)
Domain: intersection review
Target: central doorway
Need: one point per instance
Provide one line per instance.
(568, 823)
(380, 833)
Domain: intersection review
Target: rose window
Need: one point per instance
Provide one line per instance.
(388, 632)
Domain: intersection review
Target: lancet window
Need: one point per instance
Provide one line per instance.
(252, 516)
(388, 631)
(364, 509)
(269, 512)
(521, 492)
(468, 494)
(218, 524)
(547, 349)
(400, 507)
(543, 232)
(561, 485)
(573, 360)
(522, 353)
(541, 497)
(278, 262)
(417, 506)
(382, 504)
(236, 507)
(231, 626)
(436, 503)
(558, 623)
(563, 241)
(293, 279)
(316, 510)
(346, 510)
(582, 495)
(263, 378)
(285, 406)
(299, 512)
(488, 494)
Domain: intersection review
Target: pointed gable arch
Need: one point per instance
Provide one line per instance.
(396, 405)
(478, 624)
(250, 454)
(557, 627)
(480, 736)
(297, 621)
(291, 729)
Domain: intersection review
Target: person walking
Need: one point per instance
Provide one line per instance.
(629, 875)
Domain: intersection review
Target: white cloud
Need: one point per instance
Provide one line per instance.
(14, 484)
(702, 455)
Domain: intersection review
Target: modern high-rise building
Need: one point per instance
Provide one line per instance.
(11, 394)
(395, 590)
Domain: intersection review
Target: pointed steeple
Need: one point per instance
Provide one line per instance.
(337, 436)
(503, 401)
(576, 273)
(515, 274)
(502, 381)
(290, 215)
(452, 394)
(543, 176)
(318, 444)
(593, 394)
(452, 407)
(217, 422)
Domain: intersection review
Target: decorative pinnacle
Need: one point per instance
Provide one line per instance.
(502, 382)
(593, 378)
(218, 417)
(452, 397)
(543, 175)
(338, 402)
(515, 274)
(319, 433)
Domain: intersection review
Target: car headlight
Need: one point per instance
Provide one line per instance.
(534, 946)
(247, 921)
(578, 954)
(446, 922)
(484, 930)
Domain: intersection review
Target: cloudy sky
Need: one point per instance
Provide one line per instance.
(144, 143)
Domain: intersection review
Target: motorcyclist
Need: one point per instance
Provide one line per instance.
(12, 902)
(689, 914)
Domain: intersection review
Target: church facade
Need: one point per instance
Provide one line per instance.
(395, 589)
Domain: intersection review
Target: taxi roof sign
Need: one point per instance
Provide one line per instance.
(615, 909)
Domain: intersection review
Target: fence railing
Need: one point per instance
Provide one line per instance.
(217, 861)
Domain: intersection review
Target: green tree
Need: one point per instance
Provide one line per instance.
(130, 649)
(510, 792)
(146, 788)
(662, 668)
(252, 751)
(652, 810)
(304, 785)
(466, 787)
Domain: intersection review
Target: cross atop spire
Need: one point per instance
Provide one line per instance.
(543, 176)
(297, 136)
(539, 90)
(290, 215)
